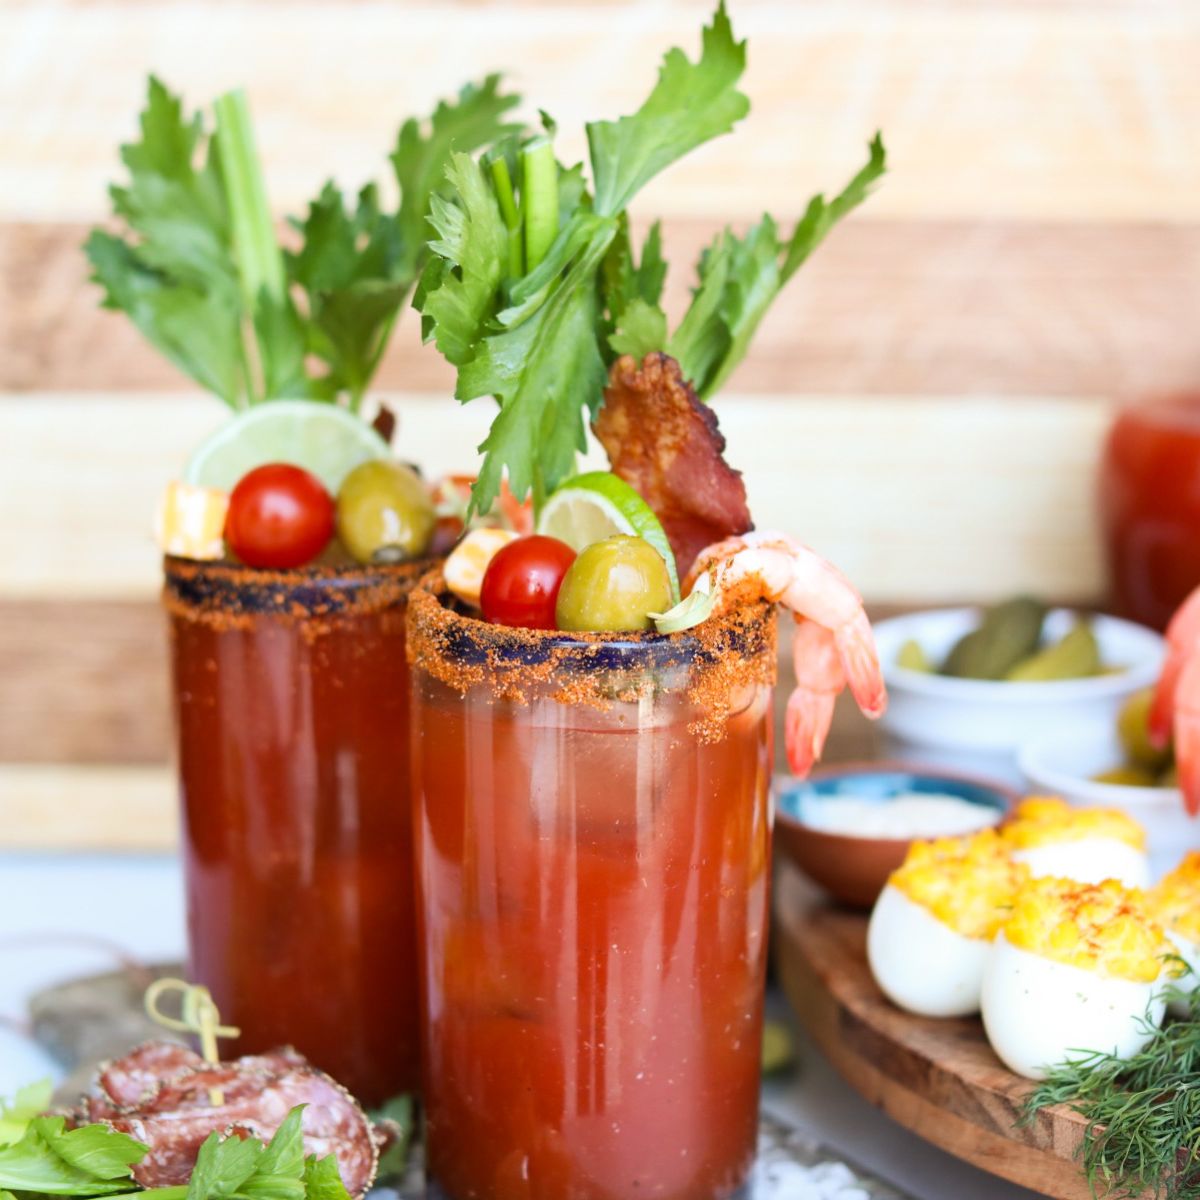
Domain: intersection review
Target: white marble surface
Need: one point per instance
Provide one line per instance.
(62, 916)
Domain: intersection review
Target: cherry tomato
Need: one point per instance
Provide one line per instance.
(279, 516)
(520, 586)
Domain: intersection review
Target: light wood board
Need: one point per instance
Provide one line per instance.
(916, 500)
(925, 404)
(992, 108)
(897, 307)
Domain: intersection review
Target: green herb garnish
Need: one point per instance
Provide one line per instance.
(52, 1160)
(95, 1161)
(199, 270)
(533, 289)
(398, 1111)
(1143, 1112)
(16, 1114)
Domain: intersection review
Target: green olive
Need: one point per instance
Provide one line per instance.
(384, 511)
(1133, 727)
(614, 585)
(1127, 776)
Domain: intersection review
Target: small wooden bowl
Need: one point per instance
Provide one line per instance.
(854, 869)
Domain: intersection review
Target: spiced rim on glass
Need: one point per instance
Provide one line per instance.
(461, 650)
(231, 594)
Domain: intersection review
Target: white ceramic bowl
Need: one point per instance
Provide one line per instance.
(1064, 766)
(980, 724)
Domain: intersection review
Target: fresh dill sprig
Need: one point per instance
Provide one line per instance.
(1143, 1112)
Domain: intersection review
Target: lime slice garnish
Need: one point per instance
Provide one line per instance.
(689, 612)
(591, 507)
(322, 438)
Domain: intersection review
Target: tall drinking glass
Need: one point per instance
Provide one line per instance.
(593, 863)
(291, 706)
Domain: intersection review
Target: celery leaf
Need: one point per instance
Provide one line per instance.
(197, 267)
(544, 366)
(245, 1169)
(92, 1160)
(16, 1114)
(739, 277)
(198, 330)
(352, 271)
(471, 241)
(691, 104)
(474, 120)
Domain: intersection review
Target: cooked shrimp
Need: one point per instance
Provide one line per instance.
(833, 645)
(1183, 639)
(1187, 733)
(1177, 698)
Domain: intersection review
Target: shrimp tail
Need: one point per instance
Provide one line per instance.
(833, 643)
(819, 678)
(860, 660)
(805, 727)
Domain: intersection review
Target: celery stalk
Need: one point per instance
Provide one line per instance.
(539, 197)
(260, 260)
(255, 248)
(512, 218)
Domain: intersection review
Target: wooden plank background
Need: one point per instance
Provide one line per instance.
(925, 404)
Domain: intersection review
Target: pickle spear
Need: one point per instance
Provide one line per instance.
(1074, 656)
(912, 657)
(1008, 633)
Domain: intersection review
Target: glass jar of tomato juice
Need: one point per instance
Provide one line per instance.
(291, 709)
(1150, 506)
(593, 864)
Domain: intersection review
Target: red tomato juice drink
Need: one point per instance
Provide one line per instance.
(290, 697)
(593, 863)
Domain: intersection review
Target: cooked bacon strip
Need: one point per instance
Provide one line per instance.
(160, 1095)
(661, 439)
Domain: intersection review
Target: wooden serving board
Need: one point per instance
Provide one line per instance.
(938, 1078)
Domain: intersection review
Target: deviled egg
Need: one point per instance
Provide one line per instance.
(1084, 844)
(1175, 903)
(932, 926)
(1075, 968)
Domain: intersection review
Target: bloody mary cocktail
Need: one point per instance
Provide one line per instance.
(592, 848)
(291, 706)
(1150, 506)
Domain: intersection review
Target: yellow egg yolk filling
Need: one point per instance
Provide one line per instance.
(1101, 927)
(1045, 820)
(967, 883)
(1175, 901)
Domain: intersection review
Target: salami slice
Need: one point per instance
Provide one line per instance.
(131, 1080)
(160, 1094)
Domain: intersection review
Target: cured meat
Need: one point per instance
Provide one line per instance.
(126, 1082)
(664, 441)
(160, 1094)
